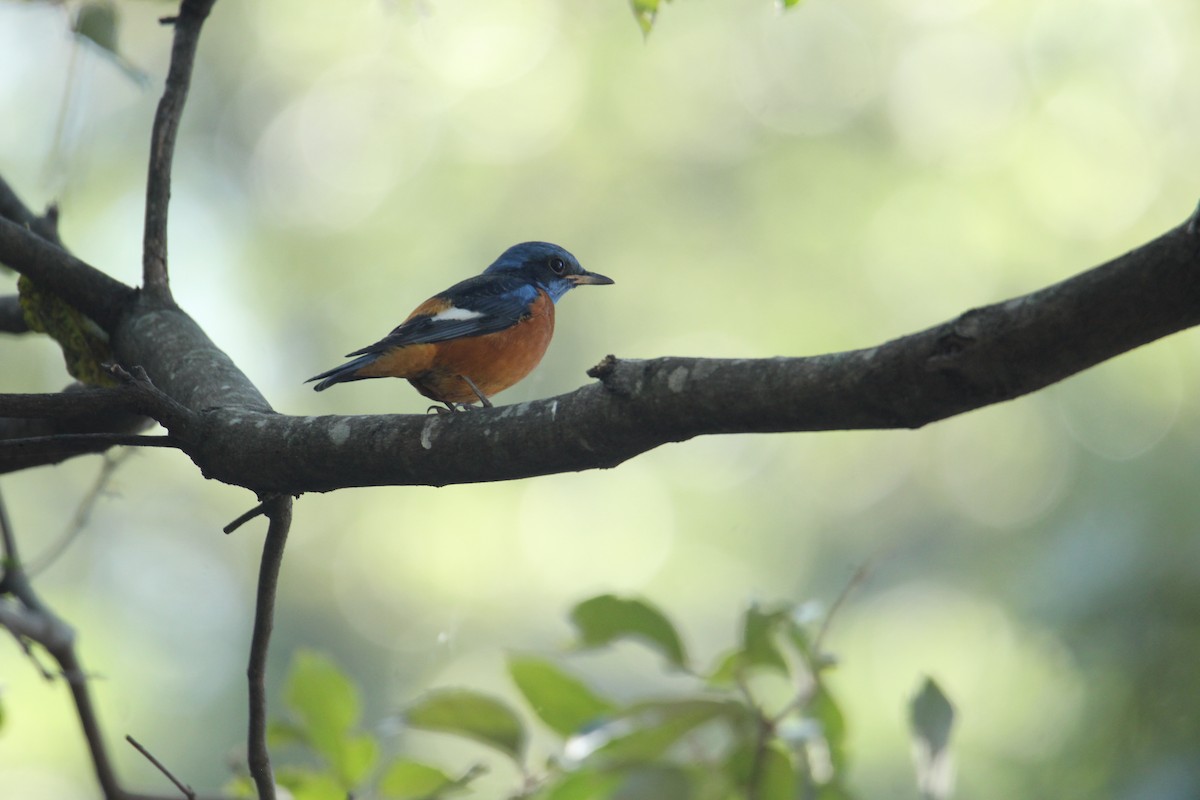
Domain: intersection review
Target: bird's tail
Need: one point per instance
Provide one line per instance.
(343, 373)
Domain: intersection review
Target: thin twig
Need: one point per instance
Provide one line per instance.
(154, 402)
(187, 790)
(192, 14)
(8, 540)
(59, 641)
(279, 512)
(83, 513)
(855, 581)
(45, 226)
(72, 440)
(258, 510)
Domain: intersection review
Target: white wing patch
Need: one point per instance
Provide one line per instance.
(455, 313)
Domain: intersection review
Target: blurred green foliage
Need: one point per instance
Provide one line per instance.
(97, 22)
(931, 718)
(645, 12)
(728, 736)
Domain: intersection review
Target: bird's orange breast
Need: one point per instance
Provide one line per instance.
(493, 362)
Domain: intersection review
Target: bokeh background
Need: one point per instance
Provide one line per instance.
(758, 183)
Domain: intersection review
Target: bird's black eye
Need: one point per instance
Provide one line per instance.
(558, 266)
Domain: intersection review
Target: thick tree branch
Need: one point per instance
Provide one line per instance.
(37, 429)
(986, 355)
(89, 290)
(12, 317)
(182, 361)
(30, 245)
(78, 403)
(192, 14)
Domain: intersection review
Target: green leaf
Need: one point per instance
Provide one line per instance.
(644, 11)
(321, 695)
(476, 716)
(653, 782)
(307, 784)
(647, 730)
(776, 779)
(739, 763)
(758, 638)
(241, 787)
(327, 704)
(931, 716)
(357, 759)
(606, 618)
(97, 22)
(560, 700)
(407, 779)
(798, 637)
(580, 784)
(639, 782)
(824, 709)
(760, 645)
(281, 734)
(833, 791)
(727, 668)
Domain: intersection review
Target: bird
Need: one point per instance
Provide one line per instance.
(480, 336)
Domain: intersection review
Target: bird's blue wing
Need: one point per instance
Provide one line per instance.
(475, 307)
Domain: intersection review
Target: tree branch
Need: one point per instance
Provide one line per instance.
(182, 787)
(83, 512)
(12, 316)
(192, 14)
(986, 355)
(84, 287)
(76, 402)
(30, 244)
(279, 512)
(35, 443)
(37, 429)
(45, 226)
(182, 361)
(69, 443)
(33, 620)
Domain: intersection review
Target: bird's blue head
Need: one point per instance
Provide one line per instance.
(547, 266)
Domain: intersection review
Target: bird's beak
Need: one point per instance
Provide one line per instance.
(594, 278)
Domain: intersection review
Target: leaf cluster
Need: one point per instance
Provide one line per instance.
(759, 723)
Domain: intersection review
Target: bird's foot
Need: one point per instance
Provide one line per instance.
(482, 397)
(453, 408)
